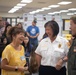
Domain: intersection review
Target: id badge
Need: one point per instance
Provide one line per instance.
(22, 57)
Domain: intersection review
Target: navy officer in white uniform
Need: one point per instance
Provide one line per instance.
(51, 53)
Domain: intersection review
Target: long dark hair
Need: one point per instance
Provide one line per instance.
(28, 45)
(5, 31)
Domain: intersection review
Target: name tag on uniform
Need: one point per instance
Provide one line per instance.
(59, 50)
(22, 57)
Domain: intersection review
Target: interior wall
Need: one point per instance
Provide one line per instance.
(10, 15)
(20, 15)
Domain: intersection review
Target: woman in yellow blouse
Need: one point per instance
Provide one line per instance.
(13, 59)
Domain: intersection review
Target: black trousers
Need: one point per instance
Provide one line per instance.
(49, 70)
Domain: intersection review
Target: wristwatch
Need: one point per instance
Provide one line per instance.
(16, 68)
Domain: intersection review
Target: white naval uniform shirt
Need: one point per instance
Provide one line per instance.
(51, 52)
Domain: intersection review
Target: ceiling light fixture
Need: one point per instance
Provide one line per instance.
(32, 12)
(12, 10)
(64, 11)
(46, 8)
(17, 7)
(56, 12)
(51, 13)
(54, 6)
(72, 9)
(39, 10)
(26, 1)
(20, 4)
(64, 2)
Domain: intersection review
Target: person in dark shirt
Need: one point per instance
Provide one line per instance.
(28, 48)
(7, 28)
(2, 46)
(72, 50)
(27, 45)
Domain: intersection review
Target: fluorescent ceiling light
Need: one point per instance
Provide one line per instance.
(70, 13)
(64, 2)
(46, 8)
(64, 10)
(33, 12)
(72, 9)
(57, 12)
(17, 7)
(54, 6)
(12, 10)
(26, 1)
(39, 10)
(19, 4)
(51, 13)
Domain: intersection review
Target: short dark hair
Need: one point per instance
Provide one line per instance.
(73, 18)
(14, 31)
(54, 25)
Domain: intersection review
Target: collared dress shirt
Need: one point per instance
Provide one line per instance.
(51, 52)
